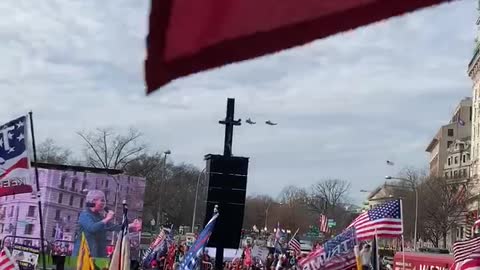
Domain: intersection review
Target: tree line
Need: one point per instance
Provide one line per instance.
(171, 188)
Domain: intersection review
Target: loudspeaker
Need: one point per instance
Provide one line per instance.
(227, 186)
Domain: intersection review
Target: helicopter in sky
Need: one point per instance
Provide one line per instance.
(271, 123)
(249, 121)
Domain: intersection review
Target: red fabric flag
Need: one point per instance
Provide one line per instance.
(188, 36)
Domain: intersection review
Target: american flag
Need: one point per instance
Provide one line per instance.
(6, 262)
(295, 245)
(463, 250)
(156, 243)
(335, 254)
(323, 223)
(471, 264)
(14, 162)
(192, 257)
(477, 223)
(385, 219)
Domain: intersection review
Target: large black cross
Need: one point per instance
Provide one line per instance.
(229, 122)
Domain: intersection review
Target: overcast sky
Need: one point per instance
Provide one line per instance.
(344, 104)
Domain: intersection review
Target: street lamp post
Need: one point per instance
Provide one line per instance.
(196, 196)
(414, 186)
(164, 176)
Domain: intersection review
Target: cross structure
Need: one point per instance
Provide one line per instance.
(229, 122)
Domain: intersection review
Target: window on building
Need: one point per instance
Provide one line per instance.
(449, 143)
(84, 185)
(54, 232)
(67, 230)
(28, 229)
(1, 228)
(450, 132)
(11, 211)
(446, 175)
(464, 158)
(449, 161)
(106, 183)
(62, 180)
(60, 198)
(464, 172)
(455, 174)
(31, 211)
(57, 215)
(81, 202)
(470, 114)
(456, 160)
(71, 200)
(74, 184)
(68, 218)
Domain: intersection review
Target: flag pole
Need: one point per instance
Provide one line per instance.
(403, 240)
(295, 234)
(40, 214)
(124, 224)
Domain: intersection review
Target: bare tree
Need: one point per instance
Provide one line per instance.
(106, 149)
(328, 194)
(49, 152)
(444, 205)
(292, 195)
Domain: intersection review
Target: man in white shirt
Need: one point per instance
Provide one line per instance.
(366, 256)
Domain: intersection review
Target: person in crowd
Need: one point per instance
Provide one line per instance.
(95, 225)
(366, 256)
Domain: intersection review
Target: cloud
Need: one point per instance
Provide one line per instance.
(344, 104)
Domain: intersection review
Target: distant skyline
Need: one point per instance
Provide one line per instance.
(344, 105)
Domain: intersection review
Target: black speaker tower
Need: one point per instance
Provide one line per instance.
(227, 185)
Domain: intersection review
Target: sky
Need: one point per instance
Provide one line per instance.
(344, 105)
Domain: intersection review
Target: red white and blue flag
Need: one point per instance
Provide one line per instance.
(384, 221)
(336, 254)
(14, 161)
(192, 258)
(323, 223)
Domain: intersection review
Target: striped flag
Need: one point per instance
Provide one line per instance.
(323, 223)
(14, 158)
(469, 264)
(385, 219)
(336, 254)
(121, 254)
(84, 260)
(6, 261)
(295, 245)
(463, 250)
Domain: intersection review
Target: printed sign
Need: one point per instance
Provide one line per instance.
(26, 256)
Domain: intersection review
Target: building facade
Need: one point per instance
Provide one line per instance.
(458, 128)
(457, 168)
(62, 195)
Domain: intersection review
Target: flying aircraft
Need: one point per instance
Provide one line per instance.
(249, 121)
(270, 123)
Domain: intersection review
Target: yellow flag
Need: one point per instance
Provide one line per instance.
(84, 260)
(357, 257)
